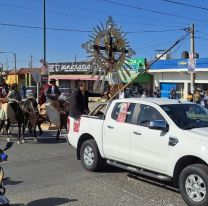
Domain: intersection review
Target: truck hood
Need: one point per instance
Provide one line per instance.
(199, 133)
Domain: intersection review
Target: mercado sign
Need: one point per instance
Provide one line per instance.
(70, 67)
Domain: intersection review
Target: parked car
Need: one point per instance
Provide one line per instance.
(66, 90)
(31, 91)
(164, 139)
(66, 93)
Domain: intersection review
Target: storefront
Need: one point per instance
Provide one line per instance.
(70, 73)
(144, 80)
(174, 73)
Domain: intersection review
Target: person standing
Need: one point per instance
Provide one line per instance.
(77, 102)
(197, 97)
(206, 100)
(80, 100)
(173, 93)
(145, 94)
(189, 97)
(22, 91)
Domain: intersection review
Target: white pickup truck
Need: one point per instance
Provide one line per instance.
(161, 138)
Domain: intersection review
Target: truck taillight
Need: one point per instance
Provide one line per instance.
(68, 124)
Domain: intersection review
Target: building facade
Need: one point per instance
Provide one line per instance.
(70, 73)
(174, 73)
(22, 76)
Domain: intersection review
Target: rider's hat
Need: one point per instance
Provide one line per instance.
(52, 80)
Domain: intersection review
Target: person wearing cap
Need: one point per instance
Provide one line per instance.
(52, 104)
(52, 92)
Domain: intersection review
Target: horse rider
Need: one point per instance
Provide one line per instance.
(6, 110)
(52, 105)
(14, 93)
(52, 92)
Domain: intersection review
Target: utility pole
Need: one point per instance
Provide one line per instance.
(15, 67)
(31, 61)
(192, 50)
(44, 29)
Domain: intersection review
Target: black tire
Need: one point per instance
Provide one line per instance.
(90, 156)
(194, 179)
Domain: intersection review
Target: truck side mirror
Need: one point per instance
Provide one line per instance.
(159, 125)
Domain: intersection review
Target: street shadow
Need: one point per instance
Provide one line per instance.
(111, 169)
(155, 182)
(51, 201)
(50, 140)
(8, 181)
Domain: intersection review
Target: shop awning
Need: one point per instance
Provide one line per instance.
(73, 77)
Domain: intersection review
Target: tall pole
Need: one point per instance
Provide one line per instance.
(192, 48)
(31, 61)
(15, 67)
(44, 29)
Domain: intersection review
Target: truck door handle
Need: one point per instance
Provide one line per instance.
(173, 141)
(137, 133)
(110, 127)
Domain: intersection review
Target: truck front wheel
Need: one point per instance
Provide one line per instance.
(90, 156)
(193, 185)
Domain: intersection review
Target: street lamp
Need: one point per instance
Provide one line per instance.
(15, 62)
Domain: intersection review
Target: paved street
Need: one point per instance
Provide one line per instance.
(48, 174)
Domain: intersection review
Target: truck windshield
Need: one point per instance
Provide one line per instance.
(187, 116)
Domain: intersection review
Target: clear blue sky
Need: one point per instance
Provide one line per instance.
(138, 16)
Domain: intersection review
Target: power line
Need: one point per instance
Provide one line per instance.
(85, 17)
(152, 45)
(83, 31)
(189, 5)
(49, 28)
(152, 11)
(101, 11)
(49, 12)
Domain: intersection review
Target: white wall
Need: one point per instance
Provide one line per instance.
(180, 77)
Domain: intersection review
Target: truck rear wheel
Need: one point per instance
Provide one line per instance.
(90, 156)
(193, 185)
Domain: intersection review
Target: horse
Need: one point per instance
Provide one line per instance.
(63, 109)
(24, 112)
(31, 115)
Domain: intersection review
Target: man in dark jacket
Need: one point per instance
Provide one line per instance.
(79, 101)
(52, 92)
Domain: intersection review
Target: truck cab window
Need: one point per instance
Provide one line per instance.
(148, 114)
(122, 112)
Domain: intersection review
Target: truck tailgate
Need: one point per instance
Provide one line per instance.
(91, 125)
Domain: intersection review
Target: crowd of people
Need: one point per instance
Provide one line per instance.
(80, 97)
(198, 97)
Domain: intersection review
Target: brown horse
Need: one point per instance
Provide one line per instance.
(24, 112)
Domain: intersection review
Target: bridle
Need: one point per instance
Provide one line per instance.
(23, 108)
